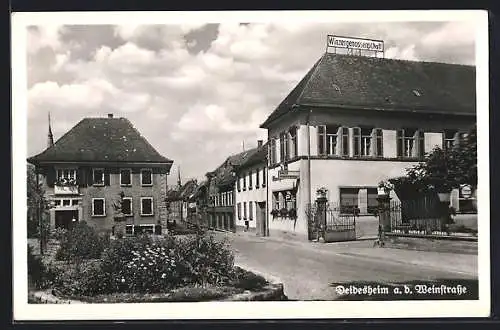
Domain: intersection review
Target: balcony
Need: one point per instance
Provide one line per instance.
(66, 190)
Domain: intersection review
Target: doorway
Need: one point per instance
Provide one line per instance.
(64, 218)
(261, 219)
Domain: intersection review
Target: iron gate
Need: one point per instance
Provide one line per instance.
(332, 222)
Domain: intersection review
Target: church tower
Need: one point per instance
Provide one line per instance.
(50, 137)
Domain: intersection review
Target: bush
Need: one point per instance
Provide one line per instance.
(81, 242)
(40, 275)
(143, 265)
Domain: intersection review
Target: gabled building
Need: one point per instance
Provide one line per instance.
(221, 192)
(180, 200)
(251, 192)
(353, 121)
(86, 170)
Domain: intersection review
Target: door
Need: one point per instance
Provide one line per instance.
(65, 218)
(261, 219)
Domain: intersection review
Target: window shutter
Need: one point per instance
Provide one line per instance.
(379, 144)
(322, 140)
(399, 142)
(51, 176)
(81, 177)
(356, 132)
(106, 177)
(345, 141)
(420, 143)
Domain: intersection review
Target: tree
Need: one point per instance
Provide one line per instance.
(36, 202)
(444, 169)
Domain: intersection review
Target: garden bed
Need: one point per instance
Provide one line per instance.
(193, 267)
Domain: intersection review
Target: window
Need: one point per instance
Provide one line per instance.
(348, 199)
(327, 140)
(68, 174)
(127, 206)
(264, 177)
(410, 143)
(230, 198)
(125, 177)
(257, 178)
(293, 150)
(244, 182)
(450, 137)
(146, 177)
(276, 202)
(282, 147)
(98, 177)
(356, 136)
(250, 210)
(244, 210)
(250, 184)
(272, 151)
(238, 207)
(74, 202)
(366, 141)
(66, 202)
(378, 142)
(146, 205)
(98, 207)
(57, 202)
(238, 184)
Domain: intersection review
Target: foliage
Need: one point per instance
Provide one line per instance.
(38, 273)
(80, 242)
(275, 212)
(35, 195)
(283, 212)
(292, 213)
(66, 182)
(387, 185)
(248, 280)
(442, 170)
(143, 265)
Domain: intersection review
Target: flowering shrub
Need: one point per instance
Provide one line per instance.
(143, 265)
(81, 242)
(386, 185)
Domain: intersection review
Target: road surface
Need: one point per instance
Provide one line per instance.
(309, 270)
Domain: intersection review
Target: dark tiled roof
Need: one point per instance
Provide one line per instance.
(102, 139)
(258, 157)
(384, 84)
(184, 192)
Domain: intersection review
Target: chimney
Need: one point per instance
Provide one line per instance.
(259, 143)
(110, 115)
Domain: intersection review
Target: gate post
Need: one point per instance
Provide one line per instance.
(321, 216)
(384, 213)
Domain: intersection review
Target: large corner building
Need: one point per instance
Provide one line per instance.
(353, 121)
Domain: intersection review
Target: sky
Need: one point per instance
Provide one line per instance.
(198, 92)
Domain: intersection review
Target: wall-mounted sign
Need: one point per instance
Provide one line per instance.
(355, 43)
(466, 191)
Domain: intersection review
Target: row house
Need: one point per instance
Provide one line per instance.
(181, 202)
(221, 192)
(353, 121)
(251, 192)
(87, 171)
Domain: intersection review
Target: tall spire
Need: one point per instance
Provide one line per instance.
(50, 137)
(179, 176)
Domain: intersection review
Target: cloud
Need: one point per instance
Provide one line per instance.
(197, 91)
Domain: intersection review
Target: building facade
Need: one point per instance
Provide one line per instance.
(251, 192)
(354, 121)
(100, 168)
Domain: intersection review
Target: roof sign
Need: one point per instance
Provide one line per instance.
(350, 45)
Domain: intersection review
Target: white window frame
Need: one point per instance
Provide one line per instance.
(129, 184)
(147, 184)
(103, 206)
(93, 177)
(73, 171)
(131, 207)
(152, 206)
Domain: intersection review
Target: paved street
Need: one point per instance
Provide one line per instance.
(308, 269)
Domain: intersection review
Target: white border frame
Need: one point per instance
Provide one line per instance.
(229, 310)
(104, 206)
(152, 207)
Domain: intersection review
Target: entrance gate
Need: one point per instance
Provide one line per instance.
(331, 222)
